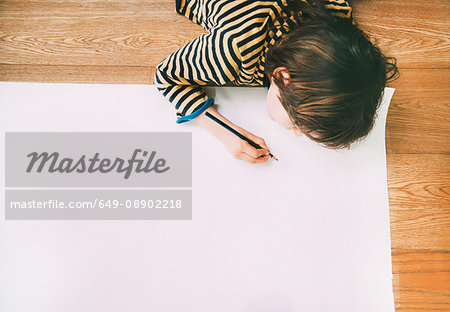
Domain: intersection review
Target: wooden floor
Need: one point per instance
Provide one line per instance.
(121, 41)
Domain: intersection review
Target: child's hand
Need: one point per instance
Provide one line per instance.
(241, 149)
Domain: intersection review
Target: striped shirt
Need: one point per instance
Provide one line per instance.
(232, 52)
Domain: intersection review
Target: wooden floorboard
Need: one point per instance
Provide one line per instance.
(419, 114)
(417, 33)
(77, 74)
(122, 41)
(419, 185)
(420, 284)
(91, 33)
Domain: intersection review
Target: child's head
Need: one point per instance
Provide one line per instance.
(330, 80)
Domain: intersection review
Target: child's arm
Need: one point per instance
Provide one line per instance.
(210, 58)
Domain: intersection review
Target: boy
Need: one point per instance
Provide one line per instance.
(325, 77)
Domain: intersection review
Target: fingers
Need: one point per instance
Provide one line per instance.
(244, 156)
(251, 154)
(252, 151)
(261, 142)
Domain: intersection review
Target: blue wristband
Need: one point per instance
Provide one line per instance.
(208, 103)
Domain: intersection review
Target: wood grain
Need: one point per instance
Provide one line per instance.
(122, 41)
(124, 33)
(417, 33)
(77, 74)
(421, 279)
(419, 188)
(418, 119)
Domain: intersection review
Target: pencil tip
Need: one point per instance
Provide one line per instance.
(273, 156)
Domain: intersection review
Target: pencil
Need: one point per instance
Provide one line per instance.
(220, 122)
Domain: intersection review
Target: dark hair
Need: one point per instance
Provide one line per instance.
(337, 76)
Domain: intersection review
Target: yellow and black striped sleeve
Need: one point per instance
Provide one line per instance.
(340, 8)
(198, 11)
(212, 58)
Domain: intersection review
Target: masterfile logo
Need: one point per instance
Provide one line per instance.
(53, 163)
(73, 166)
(102, 159)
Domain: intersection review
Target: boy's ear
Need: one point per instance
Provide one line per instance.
(282, 72)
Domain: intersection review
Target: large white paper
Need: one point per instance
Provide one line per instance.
(307, 233)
